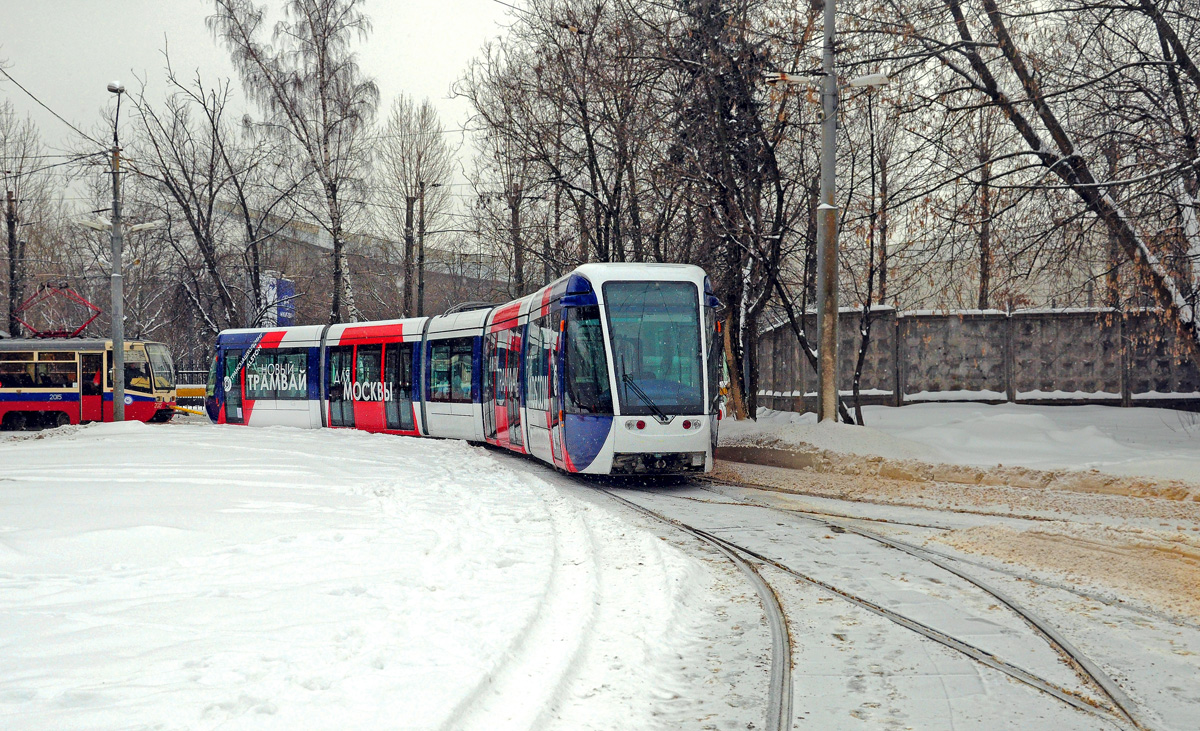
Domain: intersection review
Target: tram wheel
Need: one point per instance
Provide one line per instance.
(162, 416)
(59, 418)
(14, 421)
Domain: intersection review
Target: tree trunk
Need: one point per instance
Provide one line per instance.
(985, 229)
(883, 228)
(735, 376)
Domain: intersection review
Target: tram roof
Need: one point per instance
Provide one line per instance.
(60, 344)
(607, 272)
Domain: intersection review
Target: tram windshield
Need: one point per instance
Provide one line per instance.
(655, 330)
(163, 366)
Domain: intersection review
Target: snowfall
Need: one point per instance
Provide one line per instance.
(198, 576)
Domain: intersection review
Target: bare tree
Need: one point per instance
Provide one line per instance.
(23, 165)
(309, 83)
(220, 189)
(414, 162)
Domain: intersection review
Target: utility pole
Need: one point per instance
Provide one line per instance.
(408, 255)
(118, 284)
(14, 289)
(514, 210)
(421, 254)
(827, 244)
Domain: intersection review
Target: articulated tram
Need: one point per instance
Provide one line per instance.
(609, 370)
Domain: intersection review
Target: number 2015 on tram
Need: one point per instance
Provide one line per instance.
(608, 370)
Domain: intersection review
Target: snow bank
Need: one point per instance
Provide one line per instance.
(787, 428)
(1158, 443)
(199, 576)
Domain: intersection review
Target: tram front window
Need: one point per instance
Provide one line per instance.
(137, 370)
(655, 330)
(162, 365)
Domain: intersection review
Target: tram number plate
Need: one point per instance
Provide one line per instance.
(56, 397)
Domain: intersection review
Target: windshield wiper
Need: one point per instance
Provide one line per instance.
(658, 413)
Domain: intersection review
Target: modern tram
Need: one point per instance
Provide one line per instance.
(53, 382)
(608, 370)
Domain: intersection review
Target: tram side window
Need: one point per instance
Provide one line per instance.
(716, 357)
(450, 370)
(16, 369)
(278, 374)
(368, 369)
(537, 365)
(16, 375)
(55, 375)
(210, 388)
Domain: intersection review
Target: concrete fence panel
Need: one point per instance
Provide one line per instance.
(1090, 355)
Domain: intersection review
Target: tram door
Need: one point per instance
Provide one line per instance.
(398, 373)
(341, 403)
(557, 340)
(512, 386)
(233, 387)
(491, 374)
(91, 386)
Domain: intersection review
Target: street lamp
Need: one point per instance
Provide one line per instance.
(118, 285)
(827, 243)
(118, 329)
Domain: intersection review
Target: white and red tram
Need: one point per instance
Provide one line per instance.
(605, 371)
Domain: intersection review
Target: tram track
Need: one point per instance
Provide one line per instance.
(1041, 581)
(1113, 706)
(779, 696)
(1120, 705)
(1098, 696)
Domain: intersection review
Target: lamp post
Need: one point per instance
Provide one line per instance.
(118, 329)
(827, 247)
(118, 285)
(827, 216)
(116, 229)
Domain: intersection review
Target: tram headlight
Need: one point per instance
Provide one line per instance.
(632, 424)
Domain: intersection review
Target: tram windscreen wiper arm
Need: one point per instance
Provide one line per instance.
(658, 413)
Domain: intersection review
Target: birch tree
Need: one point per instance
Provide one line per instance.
(307, 81)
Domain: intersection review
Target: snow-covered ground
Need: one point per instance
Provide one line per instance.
(1135, 441)
(191, 576)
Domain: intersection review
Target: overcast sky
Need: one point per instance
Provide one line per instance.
(66, 51)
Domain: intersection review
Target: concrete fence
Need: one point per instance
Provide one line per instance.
(1030, 356)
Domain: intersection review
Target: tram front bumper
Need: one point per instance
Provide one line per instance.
(657, 463)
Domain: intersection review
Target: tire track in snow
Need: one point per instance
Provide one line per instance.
(521, 691)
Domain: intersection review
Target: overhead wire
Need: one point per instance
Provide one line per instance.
(43, 105)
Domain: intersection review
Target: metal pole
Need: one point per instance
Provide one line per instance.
(421, 254)
(827, 245)
(408, 256)
(514, 210)
(118, 291)
(14, 289)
